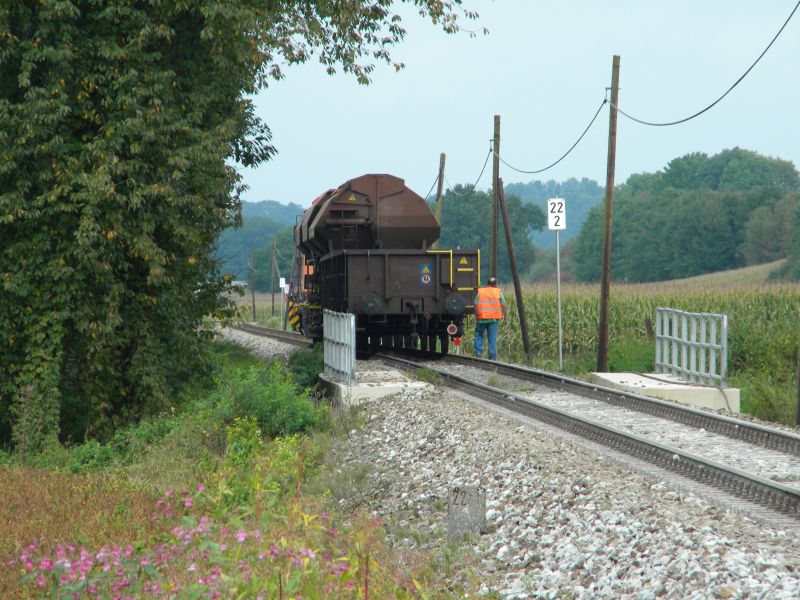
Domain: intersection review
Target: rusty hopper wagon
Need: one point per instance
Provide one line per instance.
(365, 248)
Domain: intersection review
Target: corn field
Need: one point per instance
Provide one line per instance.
(763, 337)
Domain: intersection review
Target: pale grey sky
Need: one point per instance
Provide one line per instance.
(543, 68)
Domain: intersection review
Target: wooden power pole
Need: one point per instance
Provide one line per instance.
(512, 257)
(272, 278)
(605, 280)
(495, 177)
(439, 190)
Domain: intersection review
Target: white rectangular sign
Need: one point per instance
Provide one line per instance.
(556, 214)
(282, 283)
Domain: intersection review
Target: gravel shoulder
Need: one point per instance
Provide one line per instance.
(563, 522)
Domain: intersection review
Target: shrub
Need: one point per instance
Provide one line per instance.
(306, 367)
(270, 395)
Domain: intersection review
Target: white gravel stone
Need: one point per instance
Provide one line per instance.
(263, 347)
(561, 521)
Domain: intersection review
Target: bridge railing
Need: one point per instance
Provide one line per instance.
(692, 346)
(339, 345)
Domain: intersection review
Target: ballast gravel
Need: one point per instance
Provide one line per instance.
(562, 522)
(263, 347)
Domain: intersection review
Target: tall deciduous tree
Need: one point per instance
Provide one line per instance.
(118, 118)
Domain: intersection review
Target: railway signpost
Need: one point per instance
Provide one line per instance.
(466, 512)
(557, 221)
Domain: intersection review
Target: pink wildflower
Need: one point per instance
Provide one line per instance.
(241, 536)
(201, 488)
(188, 502)
(40, 581)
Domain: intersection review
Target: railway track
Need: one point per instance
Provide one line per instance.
(278, 334)
(542, 404)
(744, 484)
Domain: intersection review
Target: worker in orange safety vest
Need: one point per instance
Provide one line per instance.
(490, 309)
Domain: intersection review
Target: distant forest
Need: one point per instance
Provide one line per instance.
(698, 215)
(580, 197)
(261, 223)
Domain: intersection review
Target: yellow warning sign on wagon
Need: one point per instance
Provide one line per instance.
(351, 198)
(463, 261)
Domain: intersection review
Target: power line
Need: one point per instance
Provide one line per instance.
(435, 179)
(737, 82)
(474, 185)
(563, 156)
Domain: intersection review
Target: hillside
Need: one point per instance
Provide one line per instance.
(580, 196)
(754, 275)
(262, 222)
(283, 214)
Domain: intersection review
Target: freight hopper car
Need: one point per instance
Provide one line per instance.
(365, 248)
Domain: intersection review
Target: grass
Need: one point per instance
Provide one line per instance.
(230, 496)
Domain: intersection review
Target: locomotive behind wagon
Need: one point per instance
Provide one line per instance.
(365, 248)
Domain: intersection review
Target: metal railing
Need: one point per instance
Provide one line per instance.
(693, 346)
(339, 345)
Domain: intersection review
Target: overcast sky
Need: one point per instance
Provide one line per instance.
(544, 68)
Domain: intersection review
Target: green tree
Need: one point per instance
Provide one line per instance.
(791, 270)
(580, 195)
(687, 220)
(466, 217)
(262, 261)
(236, 246)
(118, 119)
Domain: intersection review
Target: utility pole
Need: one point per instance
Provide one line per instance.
(439, 189)
(252, 283)
(512, 257)
(605, 280)
(495, 177)
(272, 279)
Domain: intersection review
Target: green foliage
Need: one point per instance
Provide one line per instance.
(306, 367)
(628, 354)
(262, 276)
(120, 123)
(285, 214)
(270, 395)
(428, 376)
(581, 196)
(462, 226)
(699, 215)
(791, 270)
(236, 246)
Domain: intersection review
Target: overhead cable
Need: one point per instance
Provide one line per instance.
(474, 185)
(735, 83)
(435, 180)
(563, 156)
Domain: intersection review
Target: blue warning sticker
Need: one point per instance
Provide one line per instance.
(426, 273)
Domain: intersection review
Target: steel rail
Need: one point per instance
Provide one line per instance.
(746, 486)
(753, 433)
(278, 334)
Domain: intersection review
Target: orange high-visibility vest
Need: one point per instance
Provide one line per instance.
(489, 305)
